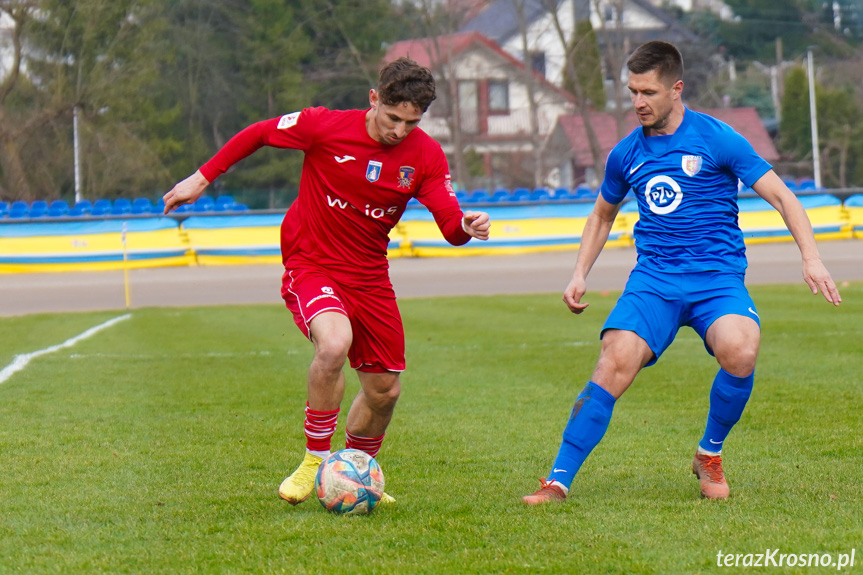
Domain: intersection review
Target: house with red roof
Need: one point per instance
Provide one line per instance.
(569, 154)
(489, 105)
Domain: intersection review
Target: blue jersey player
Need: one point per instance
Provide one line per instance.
(684, 168)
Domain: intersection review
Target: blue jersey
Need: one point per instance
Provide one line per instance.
(686, 187)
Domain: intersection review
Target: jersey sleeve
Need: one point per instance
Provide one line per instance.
(437, 195)
(295, 130)
(737, 155)
(614, 186)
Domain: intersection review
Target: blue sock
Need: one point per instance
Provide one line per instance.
(728, 397)
(587, 424)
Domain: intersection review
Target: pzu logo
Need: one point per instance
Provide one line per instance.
(663, 195)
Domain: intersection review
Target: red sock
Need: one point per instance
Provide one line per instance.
(320, 427)
(370, 445)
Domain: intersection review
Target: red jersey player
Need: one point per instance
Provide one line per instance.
(361, 167)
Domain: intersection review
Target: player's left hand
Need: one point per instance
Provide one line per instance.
(476, 224)
(817, 277)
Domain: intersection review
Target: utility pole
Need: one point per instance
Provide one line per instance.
(77, 148)
(813, 115)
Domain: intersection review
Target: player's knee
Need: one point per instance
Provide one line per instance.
(333, 350)
(738, 361)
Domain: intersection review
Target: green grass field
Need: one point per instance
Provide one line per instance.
(157, 446)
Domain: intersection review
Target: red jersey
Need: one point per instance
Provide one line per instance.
(353, 189)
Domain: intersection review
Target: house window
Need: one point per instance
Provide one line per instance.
(498, 97)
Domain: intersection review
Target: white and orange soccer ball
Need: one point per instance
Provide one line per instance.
(349, 482)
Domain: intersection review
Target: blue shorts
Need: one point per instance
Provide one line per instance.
(655, 305)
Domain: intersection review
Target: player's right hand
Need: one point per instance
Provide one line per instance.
(185, 192)
(573, 293)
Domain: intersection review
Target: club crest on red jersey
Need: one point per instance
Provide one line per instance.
(406, 177)
(691, 165)
(373, 170)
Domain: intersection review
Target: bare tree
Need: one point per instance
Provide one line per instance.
(530, 83)
(571, 49)
(14, 184)
(617, 48)
(437, 25)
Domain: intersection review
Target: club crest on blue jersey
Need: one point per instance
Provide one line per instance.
(373, 171)
(406, 177)
(691, 165)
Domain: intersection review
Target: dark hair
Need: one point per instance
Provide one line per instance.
(663, 57)
(404, 80)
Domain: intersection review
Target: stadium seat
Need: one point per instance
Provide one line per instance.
(58, 209)
(520, 195)
(101, 207)
(245, 208)
(121, 206)
(39, 209)
(204, 204)
(224, 203)
(583, 193)
(142, 206)
(461, 197)
(559, 194)
(81, 208)
(4, 209)
(478, 195)
(805, 184)
(499, 195)
(184, 209)
(790, 182)
(540, 195)
(19, 209)
(158, 207)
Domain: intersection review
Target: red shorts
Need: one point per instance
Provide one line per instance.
(378, 336)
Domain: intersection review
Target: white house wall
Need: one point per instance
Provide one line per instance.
(542, 36)
(634, 18)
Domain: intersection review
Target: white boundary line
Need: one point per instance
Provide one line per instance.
(21, 361)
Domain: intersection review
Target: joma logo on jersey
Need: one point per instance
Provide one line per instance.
(371, 212)
(663, 195)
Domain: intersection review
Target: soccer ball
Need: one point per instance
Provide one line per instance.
(349, 482)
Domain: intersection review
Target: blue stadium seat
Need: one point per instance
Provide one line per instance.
(224, 203)
(540, 195)
(82, 208)
(39, 209)
(461, 197)
(58, 209)
(121, 206)
(4, 209)
(478, 195)
(19, 209)
(805, 184)
(142, 206)
(158, 207)
(245, 208)
(101, 207)
(583, 193)
(520, 195)
(204, 204)
(559, 194)
(499, 195)
(184, 209)
(790, 182)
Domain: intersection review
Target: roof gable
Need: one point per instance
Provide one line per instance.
(745, 121)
